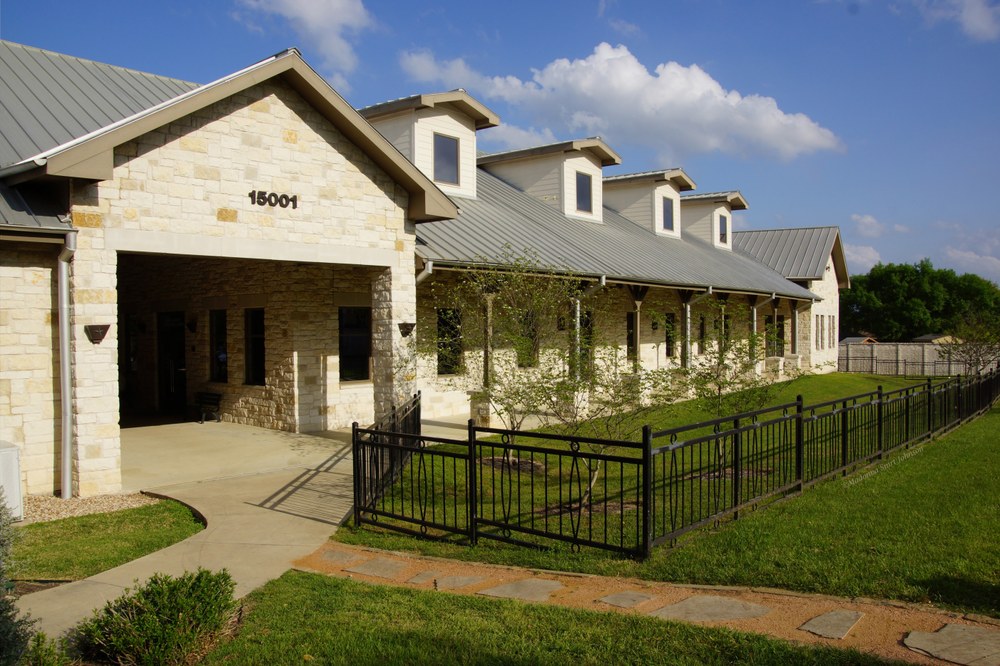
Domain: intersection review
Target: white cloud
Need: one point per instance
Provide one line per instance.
(678, 110)
(979, 19)
(513, 137)
(623, 27)
(861, 258)
(324, 24)
(984, 265)
(901, 228)
(868, 226)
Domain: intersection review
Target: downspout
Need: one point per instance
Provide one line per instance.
(589, 291)
(426, 272)
(694, 300)
(65, 370)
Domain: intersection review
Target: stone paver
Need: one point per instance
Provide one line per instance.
(340, 557)
(625, 599)
(445, 582)
(958, 643)
(527, 589)
(835, 624)
(708, 608)
(380, 567)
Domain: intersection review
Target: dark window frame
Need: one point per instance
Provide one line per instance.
(446, 146)
(581, 178)
(450, 350)
(218, 345)
(724, 229)
(255, 351)
(668, 220)
(355, 343)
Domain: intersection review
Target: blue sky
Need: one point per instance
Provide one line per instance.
(879, 116)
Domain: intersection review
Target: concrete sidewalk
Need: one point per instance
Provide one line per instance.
(257, 525)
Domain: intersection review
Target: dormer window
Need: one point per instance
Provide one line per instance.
(445, 159)
(723, 229)
(584, 193)
(668, 214)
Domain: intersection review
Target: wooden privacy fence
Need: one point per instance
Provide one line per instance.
(537, 488)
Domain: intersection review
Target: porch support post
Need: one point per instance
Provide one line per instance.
(638, 296)
(393, 358)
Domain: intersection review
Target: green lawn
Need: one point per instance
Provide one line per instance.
(920, 526)
(75, 548)
(307, 618)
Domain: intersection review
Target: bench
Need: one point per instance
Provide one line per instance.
(208, 404)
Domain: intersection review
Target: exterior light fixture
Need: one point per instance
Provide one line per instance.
(96, 332)
(406, 328)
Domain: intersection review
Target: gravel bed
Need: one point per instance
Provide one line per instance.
(42, 508)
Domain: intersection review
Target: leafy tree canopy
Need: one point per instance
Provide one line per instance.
(898, 302)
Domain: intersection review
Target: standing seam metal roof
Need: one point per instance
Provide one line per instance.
(502, 215)
(48, 99)
(798, 254)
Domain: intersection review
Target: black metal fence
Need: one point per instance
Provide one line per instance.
(533, 488)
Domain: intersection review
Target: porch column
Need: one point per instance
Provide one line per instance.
(394, 371)
(638, 296)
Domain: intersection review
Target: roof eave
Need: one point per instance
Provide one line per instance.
(92, 157)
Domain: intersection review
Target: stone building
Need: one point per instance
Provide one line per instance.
(259, 238)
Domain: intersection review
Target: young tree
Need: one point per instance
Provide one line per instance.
(976, 342)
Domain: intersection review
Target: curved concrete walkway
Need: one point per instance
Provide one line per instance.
(257, 525)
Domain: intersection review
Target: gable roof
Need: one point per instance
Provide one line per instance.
(593, 145)
(49, 98)
(90, 154)
(798, 254)
(503, 216)
(732, 197)
(675, 175)
(458, 98)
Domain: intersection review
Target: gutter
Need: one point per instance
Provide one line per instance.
(65, 368)
(22, 167)
(426, 272)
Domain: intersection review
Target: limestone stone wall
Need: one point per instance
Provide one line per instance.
(184, 189)
(29, 364)
(822, 349)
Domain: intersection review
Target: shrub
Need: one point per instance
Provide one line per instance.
(161, 622)
(15, 631)
(44, 651)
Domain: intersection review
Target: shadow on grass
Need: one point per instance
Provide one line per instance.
(972, 595)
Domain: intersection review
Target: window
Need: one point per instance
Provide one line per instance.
(528, 345)
(818, 332)
(218, 367)
(833, 331)
(670, 321)
(355, 343)
(584, 194)
(449, 341)
(445, 159)
(253, 325)
(723, 229)
(630, 348)
(774, 344)
(668, 214)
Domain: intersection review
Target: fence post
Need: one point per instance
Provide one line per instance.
(880, 423)
(737, 466)
(908, 397)
(930, 407)
(844, 435)
(471, 484)
(647, 491)
(356, 462)
(798, 440)
(959, 400)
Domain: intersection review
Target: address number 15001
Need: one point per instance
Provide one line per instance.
(262, 198)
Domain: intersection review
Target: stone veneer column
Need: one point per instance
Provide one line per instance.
(394, 300)
(94, 300)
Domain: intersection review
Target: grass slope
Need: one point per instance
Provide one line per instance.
(307, 618)
(75, 548)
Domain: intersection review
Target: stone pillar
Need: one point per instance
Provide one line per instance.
(94, 300)
(394, 301)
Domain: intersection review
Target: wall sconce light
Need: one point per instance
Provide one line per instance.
(192, 324)
(406, 328)
(96, 332)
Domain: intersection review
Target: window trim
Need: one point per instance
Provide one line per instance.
(724, 229)
(589, 179)
(458, 159)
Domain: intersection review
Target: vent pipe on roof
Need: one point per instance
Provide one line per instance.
(65, 376)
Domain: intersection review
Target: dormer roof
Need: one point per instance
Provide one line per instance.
(676, 176)
(733, 198)
(604, 154)
(460, 100)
